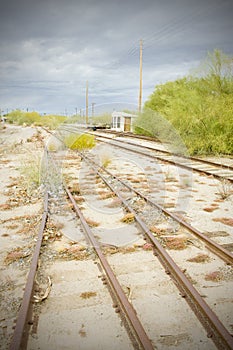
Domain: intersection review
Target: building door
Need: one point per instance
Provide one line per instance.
(127, 124)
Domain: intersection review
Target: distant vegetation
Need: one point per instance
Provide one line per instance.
(51, 121)
(199, 107)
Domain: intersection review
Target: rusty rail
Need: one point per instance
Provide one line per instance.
(127, 307)
(20, 333)
(216, 330)
(213, 246)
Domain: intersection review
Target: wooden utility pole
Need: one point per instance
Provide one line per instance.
(87, 102)
(140, 81)
(93, 104)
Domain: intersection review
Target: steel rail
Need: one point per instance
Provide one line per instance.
(126, 305)
(216, 330)
(20, 333)
(213, 246)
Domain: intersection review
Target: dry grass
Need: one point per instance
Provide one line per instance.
(116, 202)
(5, 206)
(52, 231)
(106, 162)
(157, 231)
(26, 223)
(12, 227)
(17, 254)
(92, 223)
(211, 209)
(225, 189)
(5, 161)
(87, 295)
(176, 243)
(123, 250)
(106, 195)
(82, 332)
(225, 221)
(126, 250)
(133, 179)
(14, 183)
(169, 205)
(214, 276)
(74, 189)
(200, 258)
(128, 218)
(147, 246)
(75, 252)
(79, 199)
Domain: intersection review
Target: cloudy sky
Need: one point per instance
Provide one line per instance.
(50, 48)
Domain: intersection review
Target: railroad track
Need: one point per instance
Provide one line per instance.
(128, 314)
(116, 139)
(219, 171)
(216, 331)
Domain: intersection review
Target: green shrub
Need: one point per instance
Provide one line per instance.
(79, 142)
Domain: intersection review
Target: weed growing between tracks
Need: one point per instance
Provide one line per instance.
(200, 258)
(176, 243)
(225, 189)
(79, 142)
(225, 221)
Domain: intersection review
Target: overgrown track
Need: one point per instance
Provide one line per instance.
(24, 320)
(211, 245)
(214, 327)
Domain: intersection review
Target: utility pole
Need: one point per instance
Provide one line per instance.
(93, 104)
(140, 80)
(87, 102)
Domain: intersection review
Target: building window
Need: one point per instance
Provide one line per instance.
(118, 122)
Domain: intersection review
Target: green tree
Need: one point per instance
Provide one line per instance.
(199, 107)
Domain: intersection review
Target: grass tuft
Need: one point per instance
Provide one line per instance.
(200, 258)
(87, 295)
(128, 218)
(79, 142)
(214, 276)
(176, 243)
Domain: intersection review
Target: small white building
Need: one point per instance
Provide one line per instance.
(122, 121)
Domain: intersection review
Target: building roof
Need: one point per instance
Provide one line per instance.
(122, 114)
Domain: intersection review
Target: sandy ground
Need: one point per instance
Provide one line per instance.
(78, 311)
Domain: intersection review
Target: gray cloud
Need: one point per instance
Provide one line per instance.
(49, 48)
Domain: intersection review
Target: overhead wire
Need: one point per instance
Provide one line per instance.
(167, 31)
